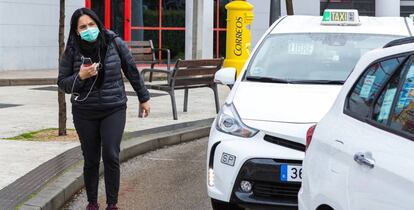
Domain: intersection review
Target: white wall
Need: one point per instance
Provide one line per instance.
(200, 19)
(407, 2)
(303, 7)
(189, 29)
(205, 32)
(29, 33)
(262, 14)
(260, 23)
(384, 8)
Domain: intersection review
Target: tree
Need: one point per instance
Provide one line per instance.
(61, 94)
(289, 7)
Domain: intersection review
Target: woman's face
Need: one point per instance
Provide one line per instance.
(84, 22)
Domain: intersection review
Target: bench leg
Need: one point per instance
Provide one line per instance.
(150, 77)
(185, 100)
(173, 104)
(216, 98)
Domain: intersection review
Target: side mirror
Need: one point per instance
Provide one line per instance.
(225, 76)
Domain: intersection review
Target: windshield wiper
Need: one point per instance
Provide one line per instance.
(266, 79)
(323, 82)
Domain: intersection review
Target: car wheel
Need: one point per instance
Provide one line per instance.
(220, 205)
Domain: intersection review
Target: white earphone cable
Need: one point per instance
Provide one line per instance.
(77, 95)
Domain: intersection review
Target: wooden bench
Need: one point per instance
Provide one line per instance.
(188, 74)
(144, 52)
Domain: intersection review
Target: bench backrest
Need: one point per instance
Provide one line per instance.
(195, 72)
(142, 51)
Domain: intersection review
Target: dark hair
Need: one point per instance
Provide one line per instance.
(74, 37)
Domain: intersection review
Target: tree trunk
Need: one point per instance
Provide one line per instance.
(289, 7)
(61, 94)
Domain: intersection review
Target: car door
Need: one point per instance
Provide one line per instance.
(377, 143)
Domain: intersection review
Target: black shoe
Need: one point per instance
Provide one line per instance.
(112, 207)
(92, 206)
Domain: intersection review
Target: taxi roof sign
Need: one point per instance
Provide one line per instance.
(340, 17)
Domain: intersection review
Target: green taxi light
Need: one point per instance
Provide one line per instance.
(340, 17)
(326, 16)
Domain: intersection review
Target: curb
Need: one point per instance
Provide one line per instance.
(55, 193)
(29, 81)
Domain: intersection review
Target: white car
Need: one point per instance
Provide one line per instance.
(361, 154)
(257, 142)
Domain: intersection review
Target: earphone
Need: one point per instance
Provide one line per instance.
(77, 95)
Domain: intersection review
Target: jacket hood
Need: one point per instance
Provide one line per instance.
(110, 35)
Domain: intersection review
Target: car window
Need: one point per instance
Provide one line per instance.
(403, 115)
(312, 56)
(369, 84)
(382, 108)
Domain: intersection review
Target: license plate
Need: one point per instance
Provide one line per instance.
(290, 173)
(228, 159)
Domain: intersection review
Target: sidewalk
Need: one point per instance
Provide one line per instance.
(31, 108)
(44, 76)
(28, 77)
(29, 74)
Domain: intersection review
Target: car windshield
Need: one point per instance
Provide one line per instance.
(319, 58)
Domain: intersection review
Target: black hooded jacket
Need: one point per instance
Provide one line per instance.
(111, 93)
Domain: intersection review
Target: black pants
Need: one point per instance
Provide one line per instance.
(96, 136)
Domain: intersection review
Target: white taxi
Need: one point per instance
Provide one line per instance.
(290, 81)
(360, 156)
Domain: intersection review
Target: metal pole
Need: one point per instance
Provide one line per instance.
(107, 22)
(127, 20)
(274, 11)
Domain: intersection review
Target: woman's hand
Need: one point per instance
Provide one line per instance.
(88, 71)
(145, 108)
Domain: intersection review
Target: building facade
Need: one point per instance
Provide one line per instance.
(190, 28)
(29, 33)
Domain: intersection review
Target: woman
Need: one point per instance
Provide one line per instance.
(99, 98)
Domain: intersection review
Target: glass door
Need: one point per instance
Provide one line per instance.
(115, 15)
(162, 21)
(220, 25)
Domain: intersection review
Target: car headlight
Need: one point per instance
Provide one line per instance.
(228, 121)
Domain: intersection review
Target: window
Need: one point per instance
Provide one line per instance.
(313, 56)
(99, 9)
(393, 107)
(117, 17)
(403, 115)
(364, 7)
(384, 103)
(162, 21)
(406, 10)
(220, 24)
(368, 86)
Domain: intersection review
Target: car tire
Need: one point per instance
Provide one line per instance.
(220, 205)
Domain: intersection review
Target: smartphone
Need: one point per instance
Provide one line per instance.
(86, 61)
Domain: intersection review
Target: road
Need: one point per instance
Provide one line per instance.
(169, 178)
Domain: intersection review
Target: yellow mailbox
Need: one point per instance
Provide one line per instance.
(239, 18)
